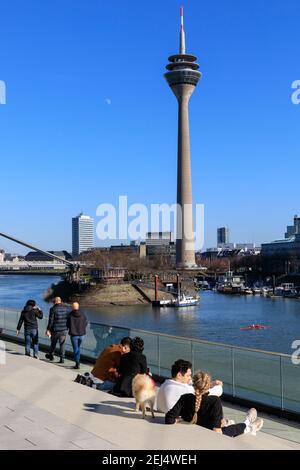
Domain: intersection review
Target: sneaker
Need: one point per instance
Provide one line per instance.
(27, 354)
(77, 366)
(256, 426)
(251, 415)
(61, 361)
(36, 357)
(49, 356)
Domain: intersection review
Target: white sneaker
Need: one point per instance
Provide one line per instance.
(251, 415)
(256, 426)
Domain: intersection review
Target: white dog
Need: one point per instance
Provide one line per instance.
(144, 391)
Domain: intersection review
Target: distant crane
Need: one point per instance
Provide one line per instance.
(74, 268)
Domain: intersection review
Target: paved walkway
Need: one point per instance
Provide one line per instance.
(41, 407)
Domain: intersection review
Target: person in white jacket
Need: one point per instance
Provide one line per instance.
(180, 384)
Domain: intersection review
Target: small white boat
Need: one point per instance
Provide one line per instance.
(248, 291)
(186, 301)
(256, 291)
(264, 291)
(165, 303)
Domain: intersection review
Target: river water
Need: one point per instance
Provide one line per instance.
(217, 318)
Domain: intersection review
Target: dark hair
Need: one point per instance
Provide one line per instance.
(126, 341)
(137, 344)
(30, 303)
(181, 366)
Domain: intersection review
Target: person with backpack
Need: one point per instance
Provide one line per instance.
(57, 328)
(29, 316)
(76, 324)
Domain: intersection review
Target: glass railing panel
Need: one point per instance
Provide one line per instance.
(257, 377)
(99, 336)
(216, 360)
(11, 319)
(291, 384)
(2, 317)
(171, 349)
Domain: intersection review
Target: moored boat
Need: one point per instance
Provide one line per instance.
(186, 301)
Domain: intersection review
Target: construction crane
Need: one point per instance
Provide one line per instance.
(74, 268)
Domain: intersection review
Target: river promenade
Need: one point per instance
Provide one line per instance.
(41, 407)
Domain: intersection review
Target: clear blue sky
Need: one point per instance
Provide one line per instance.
(64, 148)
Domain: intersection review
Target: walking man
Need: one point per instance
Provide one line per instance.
(77, 323)
(29, 316)
(57, 328)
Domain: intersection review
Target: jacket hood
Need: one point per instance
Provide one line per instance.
(76, 313)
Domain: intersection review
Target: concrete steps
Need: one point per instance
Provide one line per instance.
(65, 414)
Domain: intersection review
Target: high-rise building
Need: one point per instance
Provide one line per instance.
(183, 76)
(82, 234)
(222, 236)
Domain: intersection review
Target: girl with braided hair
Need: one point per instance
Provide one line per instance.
(206, 410)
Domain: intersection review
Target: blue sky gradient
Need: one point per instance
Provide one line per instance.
(90, 117)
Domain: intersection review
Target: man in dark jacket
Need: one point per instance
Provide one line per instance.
(29, 315)
(57, 328)
(77, 323)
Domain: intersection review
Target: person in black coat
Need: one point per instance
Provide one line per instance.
(29, 316)
(131, 364)
(76, 324)
(57, 328)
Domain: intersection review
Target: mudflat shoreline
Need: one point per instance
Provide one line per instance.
(105, 295)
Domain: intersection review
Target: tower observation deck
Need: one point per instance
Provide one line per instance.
(183, 76)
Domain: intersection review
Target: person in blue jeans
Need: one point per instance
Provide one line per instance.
(77, 323)
(29, 316)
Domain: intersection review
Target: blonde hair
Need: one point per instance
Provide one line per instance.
(201, 382)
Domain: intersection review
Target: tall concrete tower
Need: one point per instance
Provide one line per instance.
(183, 76)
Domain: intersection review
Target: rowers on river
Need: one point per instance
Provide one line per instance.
(255, 327)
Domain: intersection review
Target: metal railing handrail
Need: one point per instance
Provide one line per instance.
(230, 346)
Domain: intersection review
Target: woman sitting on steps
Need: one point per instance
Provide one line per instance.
(206, 410)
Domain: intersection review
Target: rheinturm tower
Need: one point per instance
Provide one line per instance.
(183, 76)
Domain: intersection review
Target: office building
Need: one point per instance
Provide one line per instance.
(222, 236)
(82, 234)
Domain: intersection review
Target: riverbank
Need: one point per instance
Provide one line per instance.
(105, 295)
